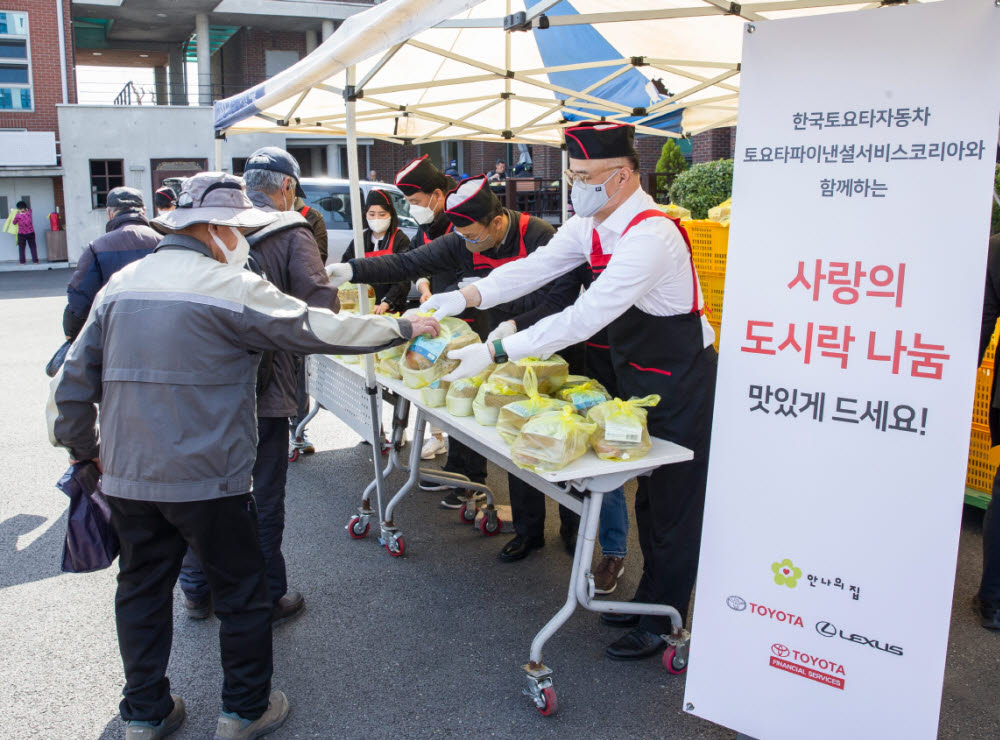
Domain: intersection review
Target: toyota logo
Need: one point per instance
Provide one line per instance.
(826, 629)
(736, 603)
(780, 650)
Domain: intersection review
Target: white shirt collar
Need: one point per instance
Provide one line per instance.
(636, 203)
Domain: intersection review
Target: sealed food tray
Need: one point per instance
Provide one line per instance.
(709, 244)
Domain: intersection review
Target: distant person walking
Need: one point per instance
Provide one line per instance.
(25, 232)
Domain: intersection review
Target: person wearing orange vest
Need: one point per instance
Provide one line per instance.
(382, 236)
(646, 294)
(485, 236)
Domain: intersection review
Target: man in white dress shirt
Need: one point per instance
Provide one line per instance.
(646, 293)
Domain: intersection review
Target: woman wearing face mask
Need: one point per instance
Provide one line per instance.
(383, 236)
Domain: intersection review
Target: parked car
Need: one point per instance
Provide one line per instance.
(330, 196)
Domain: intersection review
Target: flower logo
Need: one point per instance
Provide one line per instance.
(785, 573)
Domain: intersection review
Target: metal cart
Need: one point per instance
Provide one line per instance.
(580, 486)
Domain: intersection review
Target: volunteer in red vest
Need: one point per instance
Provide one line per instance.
(486, 236)
(383, 236)
(646, 293)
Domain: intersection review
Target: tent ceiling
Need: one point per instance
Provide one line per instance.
(669, 66)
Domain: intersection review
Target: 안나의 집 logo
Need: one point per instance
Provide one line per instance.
(785, 573)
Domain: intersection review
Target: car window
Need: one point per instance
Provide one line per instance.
(333, 203)
(402, 206)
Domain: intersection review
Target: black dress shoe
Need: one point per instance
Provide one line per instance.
(620, 620)
(289, 605)
(988, 611)
(519, 548)
(636, 645)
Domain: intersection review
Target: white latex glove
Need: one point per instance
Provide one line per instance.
(340, 273)
(451, 303)
(475, 358)
(503, 331)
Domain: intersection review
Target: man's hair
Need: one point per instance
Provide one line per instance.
(21, 204)
(496, 211)
(500, 161)
(264, 181)
(437, 181)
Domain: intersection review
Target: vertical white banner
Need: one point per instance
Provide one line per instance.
(864, 166)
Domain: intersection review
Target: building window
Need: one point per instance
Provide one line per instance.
(105, 176)
(15, 62)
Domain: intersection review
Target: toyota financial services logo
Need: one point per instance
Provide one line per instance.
(780, 650)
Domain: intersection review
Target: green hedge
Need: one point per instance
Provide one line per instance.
(703, 186)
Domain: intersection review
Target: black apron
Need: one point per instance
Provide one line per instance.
(666, 355)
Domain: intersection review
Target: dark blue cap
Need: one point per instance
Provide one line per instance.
(276, 159)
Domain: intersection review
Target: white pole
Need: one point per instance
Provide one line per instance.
(62, 50)
(218, 155)
(203, 50)
(563, 187)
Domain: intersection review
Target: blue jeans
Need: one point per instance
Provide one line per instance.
(613, 533)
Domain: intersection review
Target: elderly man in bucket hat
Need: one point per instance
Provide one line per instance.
(170, 353)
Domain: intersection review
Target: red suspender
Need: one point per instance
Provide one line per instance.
(480, 262)
(304, 211)
(599, 260)
(426, 238)
(388, 249)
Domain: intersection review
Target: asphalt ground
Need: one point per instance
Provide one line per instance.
(429, 646)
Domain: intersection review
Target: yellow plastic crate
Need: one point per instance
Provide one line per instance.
(982, 460)
(712, 288)
(991, 350)
(984, 386)
(709, 244)
(716, 325)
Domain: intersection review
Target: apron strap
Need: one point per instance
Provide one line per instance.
(481, 262)
(657, 213)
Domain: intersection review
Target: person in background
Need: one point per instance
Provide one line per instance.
(452, 170)
(499, 174)
(987, 602)
(25, 232)
(316, 222)
(382, 235)
(128, 237)
(287, 252)
(372, 175)
(164, 354)
(165, 200)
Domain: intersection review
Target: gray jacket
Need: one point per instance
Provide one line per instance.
(170, 353)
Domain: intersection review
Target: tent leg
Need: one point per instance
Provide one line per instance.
(563, 187)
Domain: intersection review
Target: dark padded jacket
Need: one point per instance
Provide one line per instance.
(448, 253)
(318, 225)
(991, 312)
(291, 262)
(396, 293)
(129, 237)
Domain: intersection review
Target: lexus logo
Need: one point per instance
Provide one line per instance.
(736, 603)
(827, 629)
(780, 650)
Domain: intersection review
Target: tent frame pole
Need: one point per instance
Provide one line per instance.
(564, 186)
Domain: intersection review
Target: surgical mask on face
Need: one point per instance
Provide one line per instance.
(379, 225)
(589, 199)
(422, 214)
(234, 257)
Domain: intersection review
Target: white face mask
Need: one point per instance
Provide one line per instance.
(589, 199)
(422, 214)
(379, 225)
(234, 257)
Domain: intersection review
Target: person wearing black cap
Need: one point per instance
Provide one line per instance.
(287, 252)
(382, 235)
(486, 235)
(165, 199)
(646, 293)
(129, 237)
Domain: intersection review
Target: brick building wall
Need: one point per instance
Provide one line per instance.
(46, 77)
(387, 159)
(546, 161)
(718, 143)
(257, 42)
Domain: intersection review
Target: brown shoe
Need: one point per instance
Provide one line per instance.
(289, 605)
(607, 573)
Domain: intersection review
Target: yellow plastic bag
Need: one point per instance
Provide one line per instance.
(550, 373)
(348, 294)
(388, 368)
(621, 433)
(675, 211)
(463, 392)
(514, 415)
(584, 395)
(721, 212)
(434, 395)
(551, 441)
(425, 358)
(491, 398)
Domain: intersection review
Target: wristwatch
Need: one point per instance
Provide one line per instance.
(499, 355)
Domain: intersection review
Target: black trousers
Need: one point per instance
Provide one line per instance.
(989, 589)
(301, 397)
(528, 508)
(465, 461)
(270, 473)
(154, 537)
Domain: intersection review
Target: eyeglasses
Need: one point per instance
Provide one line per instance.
(478, 239)
(582, 178)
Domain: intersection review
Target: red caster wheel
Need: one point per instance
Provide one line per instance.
(355, 529)
(397, 547)
(293, 454)
(467, 513)
(671, 662)
(490, 529)
(550, 704)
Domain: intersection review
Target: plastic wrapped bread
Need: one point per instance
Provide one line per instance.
(551, 441)
(675, 211)
(463, 392)
(348, 295)
(721, 212)
(434, 395)
(514, 415)
(491, 398)
(425, 358)
(550, 374)
(621, 433)
(584, 394)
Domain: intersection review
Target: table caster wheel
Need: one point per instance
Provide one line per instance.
(490, 525)
(355, 529)
(293, 454)
(396, 547)
(672, 663)
(468, 512)
(550, 705)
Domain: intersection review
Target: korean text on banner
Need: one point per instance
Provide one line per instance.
(864, 160)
